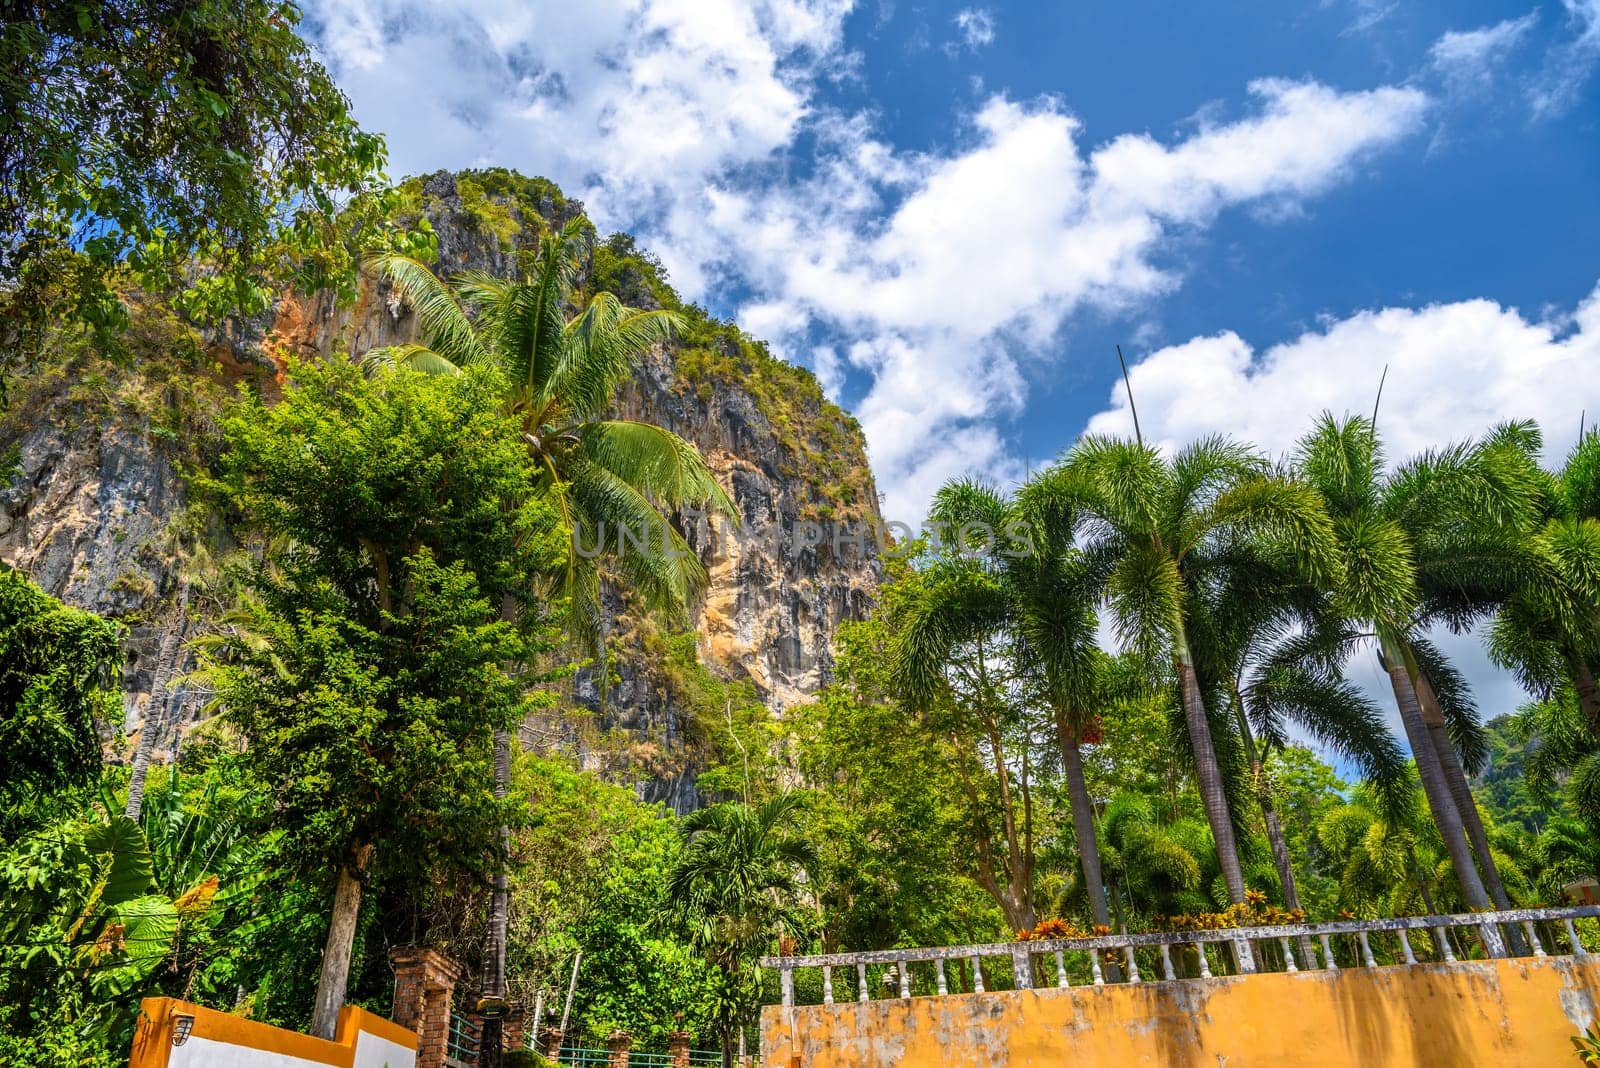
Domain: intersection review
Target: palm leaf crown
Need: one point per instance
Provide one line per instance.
(563, 373)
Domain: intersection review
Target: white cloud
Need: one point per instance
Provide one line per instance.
(976, 26)
(987, 252)
(1570, 65)
(1453, 371)
(1468, 58)
(629, 104)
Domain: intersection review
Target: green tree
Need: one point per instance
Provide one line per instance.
(1149, 525)
(1563, 758)
(1161, 867)
(955, 664)
(368, 675)
(736, 886)
(57, 687)
(560, 376)
(147, 136)
(1421, 543)
(1548, 633)
(887, 812)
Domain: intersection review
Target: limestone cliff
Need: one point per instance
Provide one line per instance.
(97, 508)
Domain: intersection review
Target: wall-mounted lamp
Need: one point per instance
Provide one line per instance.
(182, 1024)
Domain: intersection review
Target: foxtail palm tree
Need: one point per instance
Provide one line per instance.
(562, 373)
(1040, 590)
(1413, 539)
(1147, 524)
(1273, 647)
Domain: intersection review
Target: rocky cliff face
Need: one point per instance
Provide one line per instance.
(97, 507)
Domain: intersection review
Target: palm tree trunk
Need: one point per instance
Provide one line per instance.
(334, 977)
(494, 956)
(1209, 776)
(1441, 805)
(1588, 692)
(1083, 828)
(1269, 812)
(1083, 824)
(155, 710)
(1456, 777)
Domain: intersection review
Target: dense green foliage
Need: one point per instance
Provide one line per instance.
(141, 137)
(57, 668)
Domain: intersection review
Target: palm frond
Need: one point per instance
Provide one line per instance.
(444, 322)
(655, 461)
(600, 350)
(407, 357)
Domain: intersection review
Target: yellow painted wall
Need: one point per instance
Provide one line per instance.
(1502, 1013)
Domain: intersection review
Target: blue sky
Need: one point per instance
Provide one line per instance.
(952, 212)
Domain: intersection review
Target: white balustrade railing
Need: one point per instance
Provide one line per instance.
(1187, 954)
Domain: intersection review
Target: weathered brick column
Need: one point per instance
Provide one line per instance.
(514, 1028)
(552, 1044)
(618, 1043)
(678, 1048)
(424, 981)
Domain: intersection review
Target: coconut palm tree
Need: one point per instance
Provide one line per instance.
(1418, 543)
(1148, 526)
(610, 478)
(562, 373)
(1548, 633)
(737, 883)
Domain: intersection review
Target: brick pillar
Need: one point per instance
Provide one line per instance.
(552, 1044)
(618, 1043)
(514, 1027)
(424, 982)
(678, 1048)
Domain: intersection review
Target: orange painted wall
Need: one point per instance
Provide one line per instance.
(1501, 1013)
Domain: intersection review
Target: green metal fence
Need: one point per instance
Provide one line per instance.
(578, 1057)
